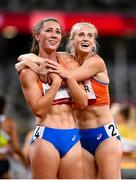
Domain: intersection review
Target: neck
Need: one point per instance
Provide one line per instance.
(82, 57)
(49, 55)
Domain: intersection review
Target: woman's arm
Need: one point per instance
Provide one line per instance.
(77, 93)
(29, 60)
(89, 68)
(38, 103)
(27, 64)
(76, 89)
(31, 57)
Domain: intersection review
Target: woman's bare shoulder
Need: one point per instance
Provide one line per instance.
(27, 76)
(68, 59)
(64, 54)
(95, 59)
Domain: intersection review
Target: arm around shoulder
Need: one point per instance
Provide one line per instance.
(89, 68)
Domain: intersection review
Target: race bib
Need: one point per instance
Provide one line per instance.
(89, 89)
(38, 132)
(111, 129)
(61, 93)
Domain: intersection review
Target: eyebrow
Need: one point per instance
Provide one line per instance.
(56, 28)
(84, 32)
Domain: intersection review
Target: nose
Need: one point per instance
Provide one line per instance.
(86, 38)
(54, 34)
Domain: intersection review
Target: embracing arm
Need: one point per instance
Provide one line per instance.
(29, 60)
(31, 57)
(89, 68)
(76, 89)
(77, 93)
(38, 103)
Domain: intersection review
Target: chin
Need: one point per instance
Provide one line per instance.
(53, 48)
(85, 51)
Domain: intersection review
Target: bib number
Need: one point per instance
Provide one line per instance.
(89, 90)
(38, 133)
(111, 130)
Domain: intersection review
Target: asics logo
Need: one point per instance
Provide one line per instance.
(74, 137)
(99, 136)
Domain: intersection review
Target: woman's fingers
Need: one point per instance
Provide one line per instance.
(43, 78)
(26, 64)
(50, 66)
(51, 62)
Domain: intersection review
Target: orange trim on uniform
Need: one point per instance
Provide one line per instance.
(101, 91)
(62, 62)
(40, 86)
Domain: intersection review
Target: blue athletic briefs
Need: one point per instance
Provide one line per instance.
(62, 139)
(91, 138)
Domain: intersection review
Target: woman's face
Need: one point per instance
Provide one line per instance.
(49, 37)
(84, 40)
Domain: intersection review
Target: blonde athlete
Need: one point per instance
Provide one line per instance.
(99, 135)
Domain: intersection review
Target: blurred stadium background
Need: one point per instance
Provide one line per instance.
(116, 23)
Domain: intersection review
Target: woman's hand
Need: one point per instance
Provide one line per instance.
(55, 78)
(54, 67)
(27, 64)
(30, 56)
(43, 72)
(30, 61)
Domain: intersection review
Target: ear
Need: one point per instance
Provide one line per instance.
(37, 37)
(94, 48)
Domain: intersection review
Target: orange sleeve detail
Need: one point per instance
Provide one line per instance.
(40, 85)
(61, 61)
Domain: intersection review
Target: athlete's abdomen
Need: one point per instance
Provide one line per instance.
(59, 116)
(94, 117)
